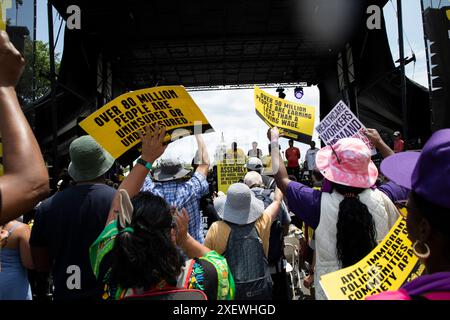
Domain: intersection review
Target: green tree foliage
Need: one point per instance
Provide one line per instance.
(42, 71)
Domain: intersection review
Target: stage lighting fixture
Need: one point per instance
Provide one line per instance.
(298, 92)
(281, 93)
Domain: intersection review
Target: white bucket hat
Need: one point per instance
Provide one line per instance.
(253, 179)
(255, 164)
(241, 206)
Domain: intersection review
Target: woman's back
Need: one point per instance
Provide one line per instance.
(384, 215)
(14, 256)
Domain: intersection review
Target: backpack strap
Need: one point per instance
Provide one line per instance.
(272, 180)
(234, 227)
(15, 226)
(183, 278)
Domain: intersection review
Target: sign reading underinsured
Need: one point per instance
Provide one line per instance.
(341, 123)
(294, 120)
(116, 125)
(391, 264)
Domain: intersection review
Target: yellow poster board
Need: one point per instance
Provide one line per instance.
(229, 172)
(295, 120)
(391, 264)
(3, 6)
(116, 125)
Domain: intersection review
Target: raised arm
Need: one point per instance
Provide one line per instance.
(203, 167)
(152, 149)
(274, 208)
(191, 247)
(378, 142)
(25, 181)
(279, 169)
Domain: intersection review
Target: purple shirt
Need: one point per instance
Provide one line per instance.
(434, 286)
(305, 202)
(436, 282)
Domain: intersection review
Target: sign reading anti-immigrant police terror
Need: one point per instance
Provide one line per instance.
(391, 264)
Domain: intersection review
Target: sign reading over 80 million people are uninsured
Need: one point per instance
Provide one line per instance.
(294, 120)
(116, 125)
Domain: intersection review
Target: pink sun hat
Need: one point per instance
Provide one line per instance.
(348, 163)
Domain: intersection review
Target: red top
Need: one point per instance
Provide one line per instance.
(292, 155)
(399, 145)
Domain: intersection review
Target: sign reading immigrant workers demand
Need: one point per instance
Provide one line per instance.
(342, 123)
(295, 120)
(391, 264)
(116, 125)
(229, 173)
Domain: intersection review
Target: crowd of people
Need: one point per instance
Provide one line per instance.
(145, 238)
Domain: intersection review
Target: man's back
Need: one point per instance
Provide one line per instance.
(183, 194)
(311, 158)
(255, 153)
(67, 224)
(293, 155)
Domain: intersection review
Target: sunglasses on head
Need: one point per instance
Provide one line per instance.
(337, 157)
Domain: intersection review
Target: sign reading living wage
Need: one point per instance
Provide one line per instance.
(295, 120)
(116, 125)
(341, 123)
(229, 173)
(391, 264)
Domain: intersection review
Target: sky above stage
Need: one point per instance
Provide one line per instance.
(232, 112)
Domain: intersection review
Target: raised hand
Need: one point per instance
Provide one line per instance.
(182, 221)
(378, 142)
(374, 136)
(152, 143)
(11, 62)
(278, 195)
(274, 134)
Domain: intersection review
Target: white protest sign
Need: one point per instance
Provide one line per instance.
(342, 123)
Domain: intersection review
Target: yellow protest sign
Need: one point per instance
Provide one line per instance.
(342, 123)
(4, 4)
(391, 264)
(229, 173)
(295, 120)
(116, 125)
(2, 15)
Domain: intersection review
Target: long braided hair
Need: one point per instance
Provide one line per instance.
(356, 232)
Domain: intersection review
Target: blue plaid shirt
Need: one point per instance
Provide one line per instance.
(183, 195)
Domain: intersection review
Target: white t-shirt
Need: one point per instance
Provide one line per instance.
(311, 158)
(256, 154)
